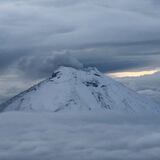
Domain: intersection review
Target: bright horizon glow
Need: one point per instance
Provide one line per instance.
(134, 73)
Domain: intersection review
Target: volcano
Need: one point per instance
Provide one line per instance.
(70, 89)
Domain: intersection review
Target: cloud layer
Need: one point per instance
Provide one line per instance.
(123, 33)
(75, 136)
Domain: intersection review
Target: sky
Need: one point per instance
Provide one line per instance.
(116, 36)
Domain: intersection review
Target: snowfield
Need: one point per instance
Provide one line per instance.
(79, 136)
(70, 89)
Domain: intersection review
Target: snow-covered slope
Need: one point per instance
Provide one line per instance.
(79, 90)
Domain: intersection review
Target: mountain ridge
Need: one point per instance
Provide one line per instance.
(70, 89)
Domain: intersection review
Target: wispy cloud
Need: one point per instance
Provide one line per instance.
(134, 73)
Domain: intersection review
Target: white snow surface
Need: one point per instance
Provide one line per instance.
(72, 89)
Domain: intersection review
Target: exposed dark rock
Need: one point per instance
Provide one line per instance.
(54, 74)
(97, 75)
(91, 83)
(103, 86)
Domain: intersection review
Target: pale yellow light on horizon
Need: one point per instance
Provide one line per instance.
(134, 73)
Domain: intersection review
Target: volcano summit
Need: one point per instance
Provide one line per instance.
(70, 89)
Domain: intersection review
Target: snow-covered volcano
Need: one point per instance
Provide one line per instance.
(79, 90)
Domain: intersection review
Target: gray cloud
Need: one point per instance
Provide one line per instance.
(43, 66)
(77, 136)
(109, 34)
(49, 26)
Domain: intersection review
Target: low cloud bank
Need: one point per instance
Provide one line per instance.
(77, 136)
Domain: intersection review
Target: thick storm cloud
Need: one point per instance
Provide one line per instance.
(110, 29)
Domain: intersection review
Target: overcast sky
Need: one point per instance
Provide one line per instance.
(36, 36)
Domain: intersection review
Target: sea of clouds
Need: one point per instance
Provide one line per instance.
(79, 136)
